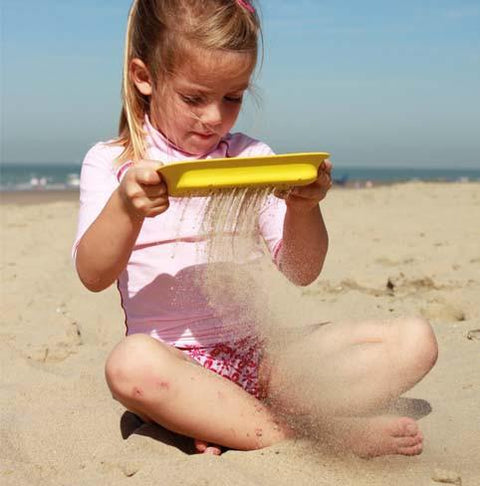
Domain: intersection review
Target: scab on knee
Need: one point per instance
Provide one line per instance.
(163, 384)
(137, 367)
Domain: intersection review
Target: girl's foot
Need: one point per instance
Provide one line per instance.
(378, 436)
(203, 447)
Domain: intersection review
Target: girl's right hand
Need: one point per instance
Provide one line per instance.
(143, 191)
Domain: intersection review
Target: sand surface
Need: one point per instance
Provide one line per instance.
(397, 250)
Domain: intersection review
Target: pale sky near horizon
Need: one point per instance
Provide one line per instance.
(376, 83)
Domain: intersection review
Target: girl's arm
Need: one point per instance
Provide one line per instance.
(105, 248)
(305, 237)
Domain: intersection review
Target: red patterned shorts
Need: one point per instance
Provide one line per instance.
(238, 362)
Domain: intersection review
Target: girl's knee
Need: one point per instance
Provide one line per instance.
(135, 366)
(422, 344)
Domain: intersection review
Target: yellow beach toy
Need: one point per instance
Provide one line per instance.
(200, 177)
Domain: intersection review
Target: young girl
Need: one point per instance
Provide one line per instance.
(187, 66)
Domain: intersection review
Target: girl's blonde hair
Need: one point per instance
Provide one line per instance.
(159, 33)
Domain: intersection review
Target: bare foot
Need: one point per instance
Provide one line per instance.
(377, 436)
(203, 447)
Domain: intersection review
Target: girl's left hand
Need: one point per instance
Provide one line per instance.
(304, 198)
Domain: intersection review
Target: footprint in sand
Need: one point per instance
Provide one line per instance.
(60, 350)
(442, 311)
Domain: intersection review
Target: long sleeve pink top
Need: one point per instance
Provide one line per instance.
(160, 287)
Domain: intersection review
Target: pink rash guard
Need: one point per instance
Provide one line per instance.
(159, 287)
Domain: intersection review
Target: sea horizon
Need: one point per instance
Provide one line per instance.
(18, 176)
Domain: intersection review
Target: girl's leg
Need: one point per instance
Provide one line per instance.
(162, 385)
(343, 372)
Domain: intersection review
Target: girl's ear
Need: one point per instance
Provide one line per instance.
(140, 75)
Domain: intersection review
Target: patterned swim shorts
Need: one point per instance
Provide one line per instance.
(238, 362)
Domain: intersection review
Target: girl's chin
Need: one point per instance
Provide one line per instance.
(200, 146)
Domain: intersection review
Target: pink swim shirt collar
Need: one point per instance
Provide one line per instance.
(246, 4)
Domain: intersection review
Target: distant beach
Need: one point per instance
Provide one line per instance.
(26, 197)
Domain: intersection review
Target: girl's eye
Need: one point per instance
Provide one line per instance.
(234, 99)
(191, 100)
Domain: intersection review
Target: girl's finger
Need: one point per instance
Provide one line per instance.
(323, 180)
(155, 190)
(158, 201)
(320, 186)
(323, 177)
(148, 177)
(307, 192)
(326, 167)
(156, 210)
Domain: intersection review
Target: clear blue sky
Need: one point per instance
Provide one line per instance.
(377, 83)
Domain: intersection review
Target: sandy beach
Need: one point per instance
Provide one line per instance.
(406, 249)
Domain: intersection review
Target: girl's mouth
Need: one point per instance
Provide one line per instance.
(204, 136)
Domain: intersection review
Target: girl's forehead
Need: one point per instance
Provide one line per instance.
(214, 70)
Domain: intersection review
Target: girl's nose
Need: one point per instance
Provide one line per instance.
(212, 115)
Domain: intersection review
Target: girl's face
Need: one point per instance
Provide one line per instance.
(200, 104)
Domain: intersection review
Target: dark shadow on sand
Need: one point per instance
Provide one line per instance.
(132, 424)
(415, 408)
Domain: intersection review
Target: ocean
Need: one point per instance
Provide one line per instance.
(49, 176)
(27, 177)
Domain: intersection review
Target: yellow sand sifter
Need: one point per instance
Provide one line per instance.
(201, 177)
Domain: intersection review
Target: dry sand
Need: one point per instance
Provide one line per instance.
(397, 250)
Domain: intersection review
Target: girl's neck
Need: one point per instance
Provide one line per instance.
(161, 139)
